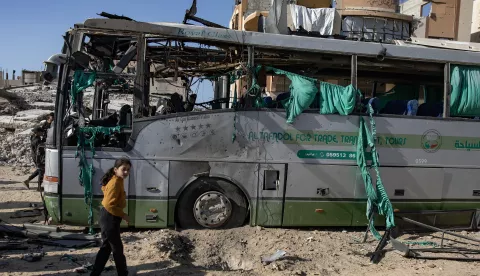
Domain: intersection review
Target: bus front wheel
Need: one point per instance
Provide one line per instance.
(211, 203)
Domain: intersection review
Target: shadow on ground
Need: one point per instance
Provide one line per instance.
(55, 265)
(8, 182)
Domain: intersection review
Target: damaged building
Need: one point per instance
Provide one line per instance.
(456, 20)
(27, 77)
(360, 20)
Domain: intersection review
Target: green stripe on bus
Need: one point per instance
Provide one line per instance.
(430, 140)
(266, 212)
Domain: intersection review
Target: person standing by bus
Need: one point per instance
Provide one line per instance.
(111, 215)
(37, 146)
(47, 123)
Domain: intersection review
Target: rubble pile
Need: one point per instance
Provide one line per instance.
(23, 108)
(175, 246)
(36, 93)
(20, 110)
(15, 150)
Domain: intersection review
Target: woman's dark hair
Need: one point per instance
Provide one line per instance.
(111, 172)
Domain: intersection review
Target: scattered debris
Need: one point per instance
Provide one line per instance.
(12, 245)
(27, 213)
(64, 243)
(278, 255)
(114, 16)
(175, 246)
(190, 15)
(89, 267)
(408, 252)
(41, 227)
(82, 269)
(49, 235)
(71, 259)
(33, 257)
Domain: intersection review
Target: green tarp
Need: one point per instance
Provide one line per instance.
(465, 96)
(81, 81)
(302, 93)
(377, 198)
(336, 99)
(333, 99)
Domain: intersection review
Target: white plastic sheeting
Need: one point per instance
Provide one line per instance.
(313, 20)
(375, 29)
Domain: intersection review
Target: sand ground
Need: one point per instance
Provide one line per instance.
(220, 252)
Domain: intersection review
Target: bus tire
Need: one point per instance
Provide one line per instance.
(202, 188)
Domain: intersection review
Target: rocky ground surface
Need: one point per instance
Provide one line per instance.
(223, 252)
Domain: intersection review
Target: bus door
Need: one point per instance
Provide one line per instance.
(74, 209)
(319, 195)
(270, 196)
(149, 181)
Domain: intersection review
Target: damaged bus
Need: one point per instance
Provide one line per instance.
(250, 156)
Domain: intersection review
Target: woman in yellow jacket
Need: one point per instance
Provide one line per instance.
(111, 215)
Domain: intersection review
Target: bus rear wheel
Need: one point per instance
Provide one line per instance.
(211, 203)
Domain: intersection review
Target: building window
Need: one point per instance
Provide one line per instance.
(426, 9)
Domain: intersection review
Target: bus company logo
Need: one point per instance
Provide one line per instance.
(431, 141)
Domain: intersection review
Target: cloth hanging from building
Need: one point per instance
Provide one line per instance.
(465, 96)
(276, 22)
(313, 20)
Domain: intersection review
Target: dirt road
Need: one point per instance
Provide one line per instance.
(223, 252)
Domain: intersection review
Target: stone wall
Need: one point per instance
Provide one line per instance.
(412, 7)
(258, 5)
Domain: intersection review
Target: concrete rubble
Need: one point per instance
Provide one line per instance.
(22, 108)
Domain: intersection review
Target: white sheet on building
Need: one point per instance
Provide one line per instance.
(313, 20)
